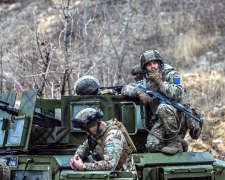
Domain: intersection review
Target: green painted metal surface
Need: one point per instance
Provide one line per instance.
(68, 174)
(44, 152)
(155, 159)
(5, 117)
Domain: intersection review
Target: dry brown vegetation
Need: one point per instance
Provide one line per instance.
(212, 138)
(105, 39)
(206, 89)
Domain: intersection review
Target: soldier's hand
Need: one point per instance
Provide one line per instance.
(71, 164)
(144, 97)
(154, 76)
(77, 163)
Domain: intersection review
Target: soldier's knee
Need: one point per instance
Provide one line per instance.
(165, 111)
(163, 108)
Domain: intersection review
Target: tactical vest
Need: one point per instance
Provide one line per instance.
(115, 124)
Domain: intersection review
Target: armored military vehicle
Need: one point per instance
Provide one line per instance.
(38, 139)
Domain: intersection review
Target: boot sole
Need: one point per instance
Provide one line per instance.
(171, 153)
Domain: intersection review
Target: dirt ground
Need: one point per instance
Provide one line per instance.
(212, 138)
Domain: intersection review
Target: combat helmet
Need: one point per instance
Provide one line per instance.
(137, 70)
(150, 55)
(86, 85)
(88, 118)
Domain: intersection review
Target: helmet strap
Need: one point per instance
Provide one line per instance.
(97, 129)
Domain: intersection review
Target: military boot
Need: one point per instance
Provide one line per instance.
(174, 146)
(184, 145)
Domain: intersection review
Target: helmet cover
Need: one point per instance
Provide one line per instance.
(90, 117)
(86, 85)
(150, 55)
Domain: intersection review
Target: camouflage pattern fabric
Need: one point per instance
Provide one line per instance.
(114, 148)
(82, 115)
(86, 85)
(168, 115)
(153, 143)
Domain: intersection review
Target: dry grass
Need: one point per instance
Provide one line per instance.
(205, 88)
(182, 31)
(212, 138)
(180, 36)
(190, 44)
(206, 93)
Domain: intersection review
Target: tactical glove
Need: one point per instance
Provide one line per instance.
(154, 76)
(144, 97)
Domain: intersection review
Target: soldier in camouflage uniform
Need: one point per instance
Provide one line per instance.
(89, 85)
(168, 122)
(138, 73)
(108, 146)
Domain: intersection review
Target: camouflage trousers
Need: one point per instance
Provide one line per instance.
(166, 127)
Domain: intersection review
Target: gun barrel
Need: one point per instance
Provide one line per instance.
(39, 118)
(4, 102)
(112, 87)
(9, 109)
(45, 120)
(197, 119)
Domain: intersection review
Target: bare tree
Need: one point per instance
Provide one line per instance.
(66, 77)
(1, 82)
(118, 77)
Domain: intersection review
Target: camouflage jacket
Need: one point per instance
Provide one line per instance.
(114, 148)
(169, 88)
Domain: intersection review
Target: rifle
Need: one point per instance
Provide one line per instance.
(116, 88)
(163, 99)
(39, 118)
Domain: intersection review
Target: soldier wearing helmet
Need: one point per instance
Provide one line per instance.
(89, 85)
(106, 143)
(137, 72)
(168, 124)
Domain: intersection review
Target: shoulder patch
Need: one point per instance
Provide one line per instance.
(176, 80)
(110, 148)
